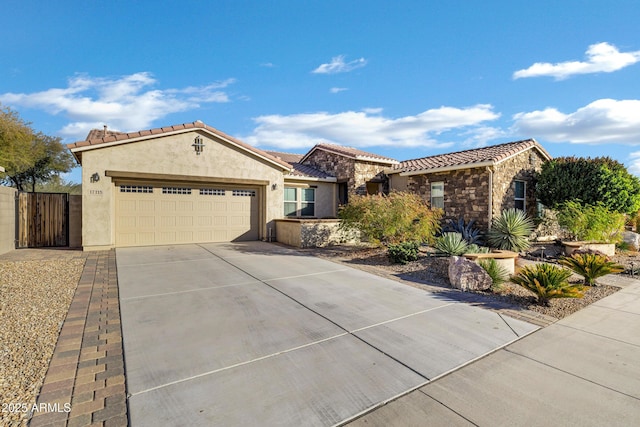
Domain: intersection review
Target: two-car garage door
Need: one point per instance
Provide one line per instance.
(170, 214)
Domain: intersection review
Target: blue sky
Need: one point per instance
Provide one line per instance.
(405, 79)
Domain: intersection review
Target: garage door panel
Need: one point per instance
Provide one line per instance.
(171, 214)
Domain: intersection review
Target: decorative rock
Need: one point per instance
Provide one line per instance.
(467, 275)
(632, 239)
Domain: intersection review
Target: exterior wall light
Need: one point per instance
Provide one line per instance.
(198, 145)
(95, 177)
(274, 186)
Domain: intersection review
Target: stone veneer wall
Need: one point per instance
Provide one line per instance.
(355, 172)
(466, 193)
(521, 167)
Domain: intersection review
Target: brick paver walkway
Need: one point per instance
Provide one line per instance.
(87, 368)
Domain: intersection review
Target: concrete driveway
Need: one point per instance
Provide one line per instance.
(257, 334)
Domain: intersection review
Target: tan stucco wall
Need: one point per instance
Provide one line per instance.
(7, 219)
(326, 196)
(171, 155)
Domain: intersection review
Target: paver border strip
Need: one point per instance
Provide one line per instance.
(85, 382)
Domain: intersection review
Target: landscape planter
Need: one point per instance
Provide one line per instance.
(506, 259)
(608, 249)
(312, 233)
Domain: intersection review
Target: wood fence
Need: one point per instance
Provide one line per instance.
(43, 220)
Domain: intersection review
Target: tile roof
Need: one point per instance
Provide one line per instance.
(352, 153)
(97, 137)
(469, 158)
(307, 171)
(287, 157)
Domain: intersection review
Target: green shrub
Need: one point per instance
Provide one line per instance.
(498, 273)
(591, 222)
(475, 249)
(389, 219)
(470, 234)
(547, 281)
(590, 266)
(404, 252)
(451, 244)
(510, 231)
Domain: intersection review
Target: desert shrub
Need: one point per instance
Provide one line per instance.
(510, 231)
(591, 222)
(472, 235)
(547, 281)
(475, 249)
(498, 273)
(451, 244)
(590, 266)
(404, 252)
(393, 218)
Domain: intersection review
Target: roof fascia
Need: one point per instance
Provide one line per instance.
(449, 168)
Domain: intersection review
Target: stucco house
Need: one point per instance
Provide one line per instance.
(192, 183)
(475, 184)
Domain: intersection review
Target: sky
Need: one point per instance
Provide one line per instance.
(404, 79)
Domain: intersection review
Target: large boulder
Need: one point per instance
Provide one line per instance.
(632, 239)
(467, 275)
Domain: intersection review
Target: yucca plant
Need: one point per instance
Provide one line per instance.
(590, 266)
(547, 281)
(498, 273)
(510, 231)
(451, 244)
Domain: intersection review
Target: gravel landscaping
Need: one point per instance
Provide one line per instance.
(431, 273)
(34, 300)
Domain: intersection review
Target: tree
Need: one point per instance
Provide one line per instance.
(588, 181)
(29, 157)
(15, 140)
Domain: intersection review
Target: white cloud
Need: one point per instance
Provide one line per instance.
(338, 65)
(601, 58)
(125, 103)
(634, 166)
(366, 128)
(604, 120)
(337, 89)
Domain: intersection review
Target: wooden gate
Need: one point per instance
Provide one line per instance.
(43, 220)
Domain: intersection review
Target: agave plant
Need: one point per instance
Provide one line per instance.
(510, 231)
(470, 234)
(498, 273)
(547, 281)
(451, 244)
(590, 266)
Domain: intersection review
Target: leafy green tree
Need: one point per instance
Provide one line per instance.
(58, 184)
(391, 219)
(15, 142)
(29, 157)
(591, 222)
(590, 181)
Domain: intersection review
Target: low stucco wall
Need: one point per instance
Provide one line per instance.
(311, 233)
(7, 219)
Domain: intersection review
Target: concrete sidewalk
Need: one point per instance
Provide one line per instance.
(581, 371)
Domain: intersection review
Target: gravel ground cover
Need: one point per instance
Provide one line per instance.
(431, 273)
(34, 299)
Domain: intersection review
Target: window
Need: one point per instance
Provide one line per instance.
(136, 189)
(290, 201)
(308, 202)
(176, 190)
(437, 195)
(299, 201)
(520, 192)
(243, 193)
(212, 192)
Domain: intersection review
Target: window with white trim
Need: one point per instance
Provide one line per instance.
(299, 201)
(136, 189)
(520, 195)
(176, 190)
(212, 192)
(290, 201)
(437, 194)
(243, 193)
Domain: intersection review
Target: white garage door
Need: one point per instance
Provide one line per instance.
(171, 214)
